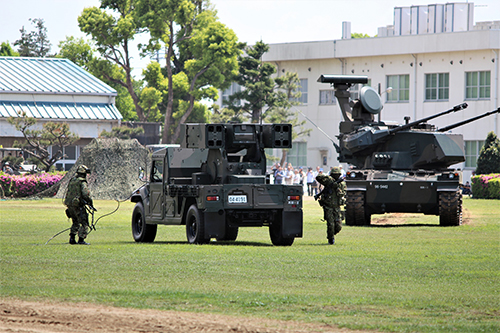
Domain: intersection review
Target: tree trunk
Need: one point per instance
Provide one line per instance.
(170, 95)
(185, 116)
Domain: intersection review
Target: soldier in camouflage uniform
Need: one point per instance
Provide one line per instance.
(332, 198)
(77, 196)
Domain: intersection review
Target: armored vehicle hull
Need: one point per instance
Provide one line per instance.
(378, 192)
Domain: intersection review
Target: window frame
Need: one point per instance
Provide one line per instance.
(303, 99)
(297, 154)
(395, 95)
(330, 93)
(477, 87)
(472, 156)
(440, 88)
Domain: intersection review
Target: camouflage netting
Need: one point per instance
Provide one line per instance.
(114, 166)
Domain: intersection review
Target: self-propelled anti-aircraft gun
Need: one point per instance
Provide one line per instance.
(397, 168)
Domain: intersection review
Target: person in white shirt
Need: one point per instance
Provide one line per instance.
(310, 179)
(289, 175)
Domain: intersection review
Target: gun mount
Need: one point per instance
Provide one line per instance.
(399, 168)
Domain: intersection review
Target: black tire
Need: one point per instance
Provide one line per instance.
(142, 232)
(231, 234)
(195, 226)
(355, 210)
(450, 209)
(275, 232)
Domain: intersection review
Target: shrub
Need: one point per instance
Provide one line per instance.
(5, 184)
(28, 185)
(481, 186)
(494, 188)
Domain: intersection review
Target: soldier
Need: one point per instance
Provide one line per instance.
(77, 196)
(332, 197)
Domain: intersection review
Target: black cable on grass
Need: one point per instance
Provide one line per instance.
(92, 226)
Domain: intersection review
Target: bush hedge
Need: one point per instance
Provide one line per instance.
(486, 186)
(19, 186)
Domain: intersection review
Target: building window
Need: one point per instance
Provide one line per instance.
(234, 88)
(297, 155)
(472, 149)
(327, 97)
(303, 90)
(400, 85)
(437, 87)
(477, 85)
(70, 152)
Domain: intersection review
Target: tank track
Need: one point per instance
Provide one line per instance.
(355, 211)
(450, 208)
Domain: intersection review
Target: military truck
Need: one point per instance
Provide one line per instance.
(215, 182)
(397, 168)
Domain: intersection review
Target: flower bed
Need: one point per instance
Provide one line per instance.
(486, 186)
(27, 185)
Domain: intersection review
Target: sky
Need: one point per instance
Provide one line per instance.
(272, 21)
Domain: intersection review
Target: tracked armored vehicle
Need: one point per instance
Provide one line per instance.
(397, 168)
(215, 183)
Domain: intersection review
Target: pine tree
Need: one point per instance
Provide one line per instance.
(489, 156)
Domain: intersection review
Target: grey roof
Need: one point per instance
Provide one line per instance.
(48, 76)
(59, 110)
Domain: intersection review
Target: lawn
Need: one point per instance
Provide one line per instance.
(408, 275)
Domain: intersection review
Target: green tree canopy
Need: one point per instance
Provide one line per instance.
(84, 55)
(359, 35)
(7, 51)
(122, 132)
(37, 142)
(489, 156)
(287, 93)
(255, 76)
(34, 43)
(113, 27)
(200, 55)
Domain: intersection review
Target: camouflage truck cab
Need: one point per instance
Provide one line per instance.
(215, 183)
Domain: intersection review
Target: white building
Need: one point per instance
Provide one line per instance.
(433, 58)
(55, 90)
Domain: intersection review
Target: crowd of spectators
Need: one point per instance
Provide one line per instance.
(289, 175)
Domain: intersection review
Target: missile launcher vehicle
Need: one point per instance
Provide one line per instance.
(215, 182)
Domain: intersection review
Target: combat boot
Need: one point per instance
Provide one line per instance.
(72, 240)
(81, 241)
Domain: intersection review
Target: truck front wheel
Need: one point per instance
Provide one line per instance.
(142, 232)
(195, 226)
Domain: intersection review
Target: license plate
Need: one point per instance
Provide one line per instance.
(237, 199)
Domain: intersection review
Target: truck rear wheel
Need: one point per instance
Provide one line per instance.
(355, 210)
(195, 226)
(276, 234)
(450, 208)
(142, 232)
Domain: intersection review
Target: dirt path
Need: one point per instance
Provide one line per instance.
(43, 317)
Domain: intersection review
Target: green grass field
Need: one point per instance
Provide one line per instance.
(407, 276)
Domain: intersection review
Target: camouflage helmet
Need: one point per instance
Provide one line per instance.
(82, 169)
(335, 171)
